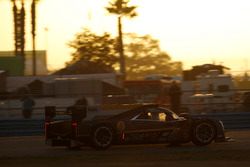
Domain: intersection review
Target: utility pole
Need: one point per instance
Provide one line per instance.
(33, 32)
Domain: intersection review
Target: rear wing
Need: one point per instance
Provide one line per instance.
(77, 112)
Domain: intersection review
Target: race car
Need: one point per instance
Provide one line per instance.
(143, 124)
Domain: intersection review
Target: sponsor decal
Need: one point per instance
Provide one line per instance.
(120, 126)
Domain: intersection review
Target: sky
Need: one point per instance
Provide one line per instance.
(192, 31)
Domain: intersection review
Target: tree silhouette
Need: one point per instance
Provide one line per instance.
(33, 32)
(121, 9)
(92, 54)
(145, 57)
(98, 54)
(19, 29)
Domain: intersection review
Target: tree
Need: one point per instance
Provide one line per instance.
(33, 32)
(19, 29)
(121, 9)
(92, 54)
(98, 54)
(145, 57)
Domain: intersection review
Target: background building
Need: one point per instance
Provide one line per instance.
(15, 67)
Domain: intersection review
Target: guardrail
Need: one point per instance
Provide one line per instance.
(31, 127)
(21, 127)
(231, 120)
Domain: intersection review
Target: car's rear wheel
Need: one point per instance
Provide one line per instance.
(102, 137)
(203, 133)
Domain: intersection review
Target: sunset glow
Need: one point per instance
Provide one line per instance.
(194, 31)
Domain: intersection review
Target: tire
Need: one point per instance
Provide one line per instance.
(102, 137)
(203, 133)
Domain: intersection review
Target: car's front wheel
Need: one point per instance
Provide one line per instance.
(102, 137)
(203, 133)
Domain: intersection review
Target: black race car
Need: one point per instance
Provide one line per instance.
(142, 124)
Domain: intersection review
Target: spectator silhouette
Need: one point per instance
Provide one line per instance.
(79, 109)
(27, 106)
(175, 97)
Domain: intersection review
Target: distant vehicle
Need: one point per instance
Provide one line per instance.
(143, 124)
(149, 91)
(205, 103)
(215, 91)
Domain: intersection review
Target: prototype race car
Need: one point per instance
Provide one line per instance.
(140, 125)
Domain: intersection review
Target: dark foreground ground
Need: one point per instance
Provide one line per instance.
(32, 152)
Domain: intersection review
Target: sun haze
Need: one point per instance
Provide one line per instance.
(192, 31)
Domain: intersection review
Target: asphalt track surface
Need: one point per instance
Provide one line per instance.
(32, 152)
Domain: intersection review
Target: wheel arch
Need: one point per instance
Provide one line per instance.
(195, 123)
(93, 133)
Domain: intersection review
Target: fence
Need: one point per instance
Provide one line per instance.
(31, 127)
(13, 124)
